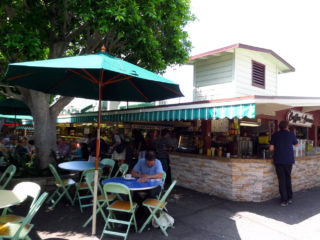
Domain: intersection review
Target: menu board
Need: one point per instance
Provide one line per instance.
(220, 125)
(86, 130)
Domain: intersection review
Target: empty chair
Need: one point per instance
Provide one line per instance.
(164, 175)
(82, 190)
(128, 207)
(1, 160)
(6, 176)
(62, 188)
(155, 207)
(29, 189)
(122, 170)
(21, 230)
(108, 163)
(101, 198)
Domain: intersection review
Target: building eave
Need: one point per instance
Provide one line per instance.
(289, 68)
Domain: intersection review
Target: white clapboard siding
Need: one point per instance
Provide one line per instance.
(217, 91)
(243, 73)
(214, 70)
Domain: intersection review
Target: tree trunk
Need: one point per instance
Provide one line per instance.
(45, 127)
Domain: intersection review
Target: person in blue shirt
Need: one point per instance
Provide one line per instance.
(149, 168)
(282, 144)
(146, 169)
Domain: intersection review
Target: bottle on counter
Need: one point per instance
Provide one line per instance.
(212, 151)
(220, 151)
(209, 152)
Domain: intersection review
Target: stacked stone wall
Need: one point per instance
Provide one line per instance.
(252, 180)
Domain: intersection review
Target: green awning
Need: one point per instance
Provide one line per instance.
(237, 111)
(16, 116)
(25, 127)
(151, 114)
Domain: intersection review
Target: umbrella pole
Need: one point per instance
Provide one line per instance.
(96, 173)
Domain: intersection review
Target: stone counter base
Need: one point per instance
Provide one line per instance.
(247, 180)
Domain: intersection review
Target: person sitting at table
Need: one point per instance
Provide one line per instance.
(63, 149)
(149, 168)
(22, 147)
(3, 148)
(32, 147)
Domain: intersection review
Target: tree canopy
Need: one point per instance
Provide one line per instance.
(148, 33)
(145, 32)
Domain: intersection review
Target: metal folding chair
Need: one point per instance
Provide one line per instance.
(155, 207)
(21, 230)
(6, 176)
(108, 162)
(31, 190)
(164, 175)
(82, 190)
(123, 169)
(62, 188)
(101, 199)
(119, 206)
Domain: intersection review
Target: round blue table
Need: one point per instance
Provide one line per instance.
(134, 185)
(78, 165)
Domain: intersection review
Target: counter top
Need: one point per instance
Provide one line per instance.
(237, 159)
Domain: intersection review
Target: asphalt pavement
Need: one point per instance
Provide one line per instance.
(197, 216)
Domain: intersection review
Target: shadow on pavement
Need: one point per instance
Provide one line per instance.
(197, 216)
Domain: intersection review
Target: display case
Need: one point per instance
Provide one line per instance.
(186, 144)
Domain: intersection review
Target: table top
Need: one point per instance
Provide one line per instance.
(133, 184)
(9, 198)
(78, 165)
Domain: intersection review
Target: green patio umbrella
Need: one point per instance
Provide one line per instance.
(80, 77)
(14, 107)
(95, 76)
(11, 108)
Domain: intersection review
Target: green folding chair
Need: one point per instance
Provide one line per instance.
(119, 206)
(82, 190)
(7, 175)
(164, 175)
(21, 230)
(155, 207)
(62, 188)
(1, 160)
(101, 198)
(108, 162)
(123, 169)
(28, 188)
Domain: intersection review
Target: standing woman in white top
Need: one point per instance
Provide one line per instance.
(117, 155)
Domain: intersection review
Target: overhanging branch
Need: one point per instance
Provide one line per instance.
(70, 37)
(57, 107)
(9, 94)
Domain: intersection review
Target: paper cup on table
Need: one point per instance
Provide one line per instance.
(128, 175)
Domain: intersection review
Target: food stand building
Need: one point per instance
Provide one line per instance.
(231, 133)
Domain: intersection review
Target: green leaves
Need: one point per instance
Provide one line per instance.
(146, 32)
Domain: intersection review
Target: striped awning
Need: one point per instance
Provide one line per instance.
(25, 127)
(151, 114)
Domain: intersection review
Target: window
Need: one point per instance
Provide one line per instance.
(258, 74)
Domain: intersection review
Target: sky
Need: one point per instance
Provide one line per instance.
(288, 27)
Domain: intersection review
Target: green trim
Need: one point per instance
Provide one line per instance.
(141, 105)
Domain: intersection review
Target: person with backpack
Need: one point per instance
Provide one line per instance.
(118, 146)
